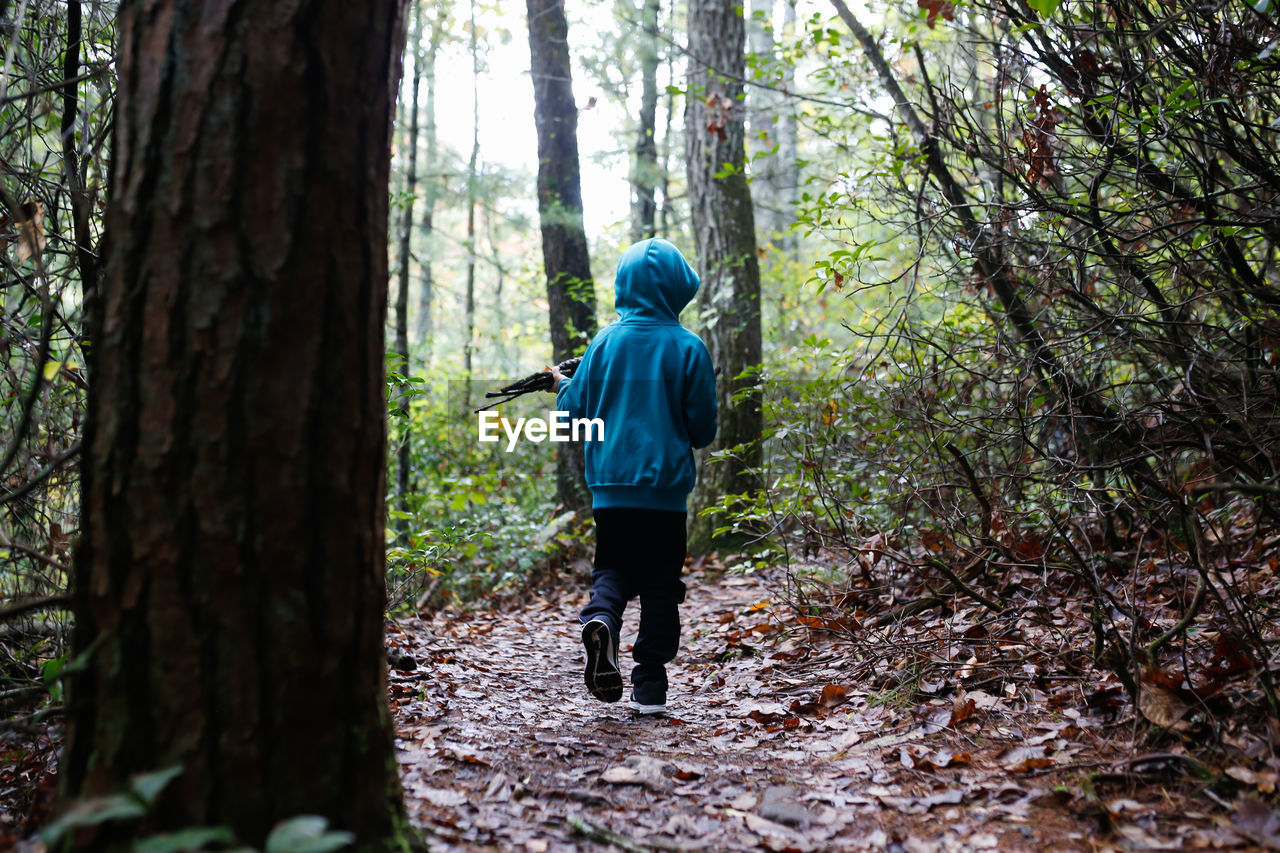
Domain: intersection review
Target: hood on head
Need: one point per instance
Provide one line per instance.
(653, 281)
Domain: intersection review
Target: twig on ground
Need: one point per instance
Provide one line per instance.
(51, 602)
(28, 724)
(961, 586)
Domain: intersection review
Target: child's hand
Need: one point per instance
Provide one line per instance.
(556, 376)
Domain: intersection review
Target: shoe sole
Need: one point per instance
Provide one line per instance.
(602, 675)
(646, 710)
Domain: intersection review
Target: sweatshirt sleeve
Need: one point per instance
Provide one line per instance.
(569, 394)
(700, 398)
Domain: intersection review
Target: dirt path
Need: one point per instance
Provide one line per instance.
(764, 747)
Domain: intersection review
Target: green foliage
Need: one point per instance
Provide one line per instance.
(479, 519)
(1064, 324)
(131, 804)
(301, 834)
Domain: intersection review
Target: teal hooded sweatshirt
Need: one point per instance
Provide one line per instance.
(650, 381)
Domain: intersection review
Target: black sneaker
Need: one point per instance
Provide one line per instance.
(603, 677)
(650, 700)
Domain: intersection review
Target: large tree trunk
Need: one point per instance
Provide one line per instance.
(724, 230)
(644, 167)
(229, 586)
(570, 289)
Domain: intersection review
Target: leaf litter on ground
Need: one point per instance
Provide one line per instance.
(778, 737)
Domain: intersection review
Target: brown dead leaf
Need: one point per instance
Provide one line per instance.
(639, 770)
(1023, 759)
(1264, 780)
(962, 708)
(442, 797)
(1161, 705)
(936, 8)
(833, 695)
(30, 223)
(1259, 822)
(920, 805)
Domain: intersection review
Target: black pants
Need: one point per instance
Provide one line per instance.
(640, 553)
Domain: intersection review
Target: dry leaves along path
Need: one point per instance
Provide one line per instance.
(764, 746)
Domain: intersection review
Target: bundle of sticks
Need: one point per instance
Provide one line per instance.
(543, 380)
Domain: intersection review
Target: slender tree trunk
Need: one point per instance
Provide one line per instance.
(788, 157)
(469, 309)
(724, 230)
(772, 141)
(763, 106)
(645, 165)
(666, 214)
(431, 182)
(401, 348)
(86, 257)
(570, 289)
(229, 586)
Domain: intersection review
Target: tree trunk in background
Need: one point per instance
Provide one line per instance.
(666, 214)
(86, 252)
(724, 230)
(431, 181)
(644, 168)
(772, 141)
(570, 289)
(788, 156)
(469, 309)
(763, 106)
(229, 586)
(401, 346)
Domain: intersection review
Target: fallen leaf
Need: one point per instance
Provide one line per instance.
(443, 797)
(1258, 821)
(833, 695)
(1264, 781)
(1161, 705)
(30, 223)
(920, 805)
(1023, 759)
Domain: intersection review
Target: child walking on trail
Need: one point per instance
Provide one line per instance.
(651, 382)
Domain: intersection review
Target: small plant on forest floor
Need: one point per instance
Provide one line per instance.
(301, 834)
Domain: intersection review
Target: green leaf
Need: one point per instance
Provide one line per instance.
(91, 813)
(148, 786)
(1045, 7)
(52, 670)
(306, 834)
(195, 838)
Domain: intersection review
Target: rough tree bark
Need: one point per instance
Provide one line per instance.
(724, 230)
(644, 168)
(229, 588)
(570, 288)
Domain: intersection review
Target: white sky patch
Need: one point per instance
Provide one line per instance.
(507, 133)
